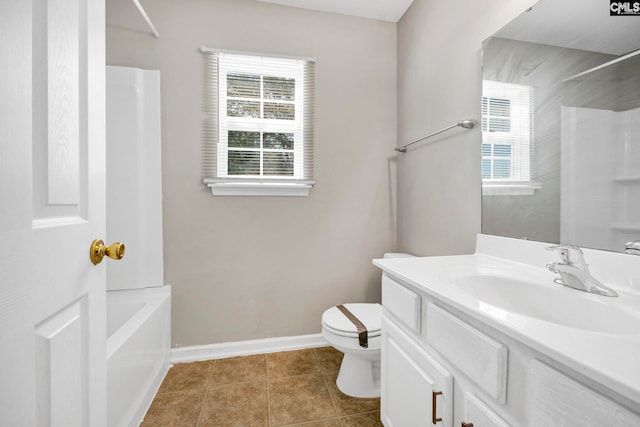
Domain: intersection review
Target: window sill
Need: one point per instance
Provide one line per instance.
(259, 188)
(510, 188)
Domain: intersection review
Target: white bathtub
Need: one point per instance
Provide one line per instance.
(138, 348)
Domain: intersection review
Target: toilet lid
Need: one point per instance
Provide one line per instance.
(369, 314)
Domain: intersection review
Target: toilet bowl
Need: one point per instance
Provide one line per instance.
(359, 374)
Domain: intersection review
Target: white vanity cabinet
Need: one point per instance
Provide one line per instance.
(506, 345)
(416, 389)
(441, 370)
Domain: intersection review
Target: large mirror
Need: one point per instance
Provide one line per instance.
(561, 126)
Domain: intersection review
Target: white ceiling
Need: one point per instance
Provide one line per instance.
(576, 24)
(384, 10)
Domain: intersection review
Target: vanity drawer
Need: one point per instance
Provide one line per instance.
(402, 303)
(480, 357)
(557, 399)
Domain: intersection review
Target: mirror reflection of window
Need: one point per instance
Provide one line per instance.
(507, 126)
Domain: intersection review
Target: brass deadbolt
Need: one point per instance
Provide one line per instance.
(98, 251)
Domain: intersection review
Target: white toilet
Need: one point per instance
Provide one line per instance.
(360, 370)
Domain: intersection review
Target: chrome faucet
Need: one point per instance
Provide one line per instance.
(574, 272)
(632, 248)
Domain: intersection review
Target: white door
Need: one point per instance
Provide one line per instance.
(52, 204)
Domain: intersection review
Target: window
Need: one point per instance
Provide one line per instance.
(507, 127)
(258, 137)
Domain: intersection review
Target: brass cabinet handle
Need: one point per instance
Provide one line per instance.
(467, 424)
(98, 251)
(434, 416)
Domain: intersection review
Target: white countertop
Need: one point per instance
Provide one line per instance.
(610, 359)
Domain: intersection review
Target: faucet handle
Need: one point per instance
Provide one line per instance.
(564, 248)
(571, 255)
(632, 247)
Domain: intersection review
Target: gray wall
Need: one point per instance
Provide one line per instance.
(439, 83)
(246, 268)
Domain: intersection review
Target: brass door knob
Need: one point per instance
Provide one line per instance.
(98, 251)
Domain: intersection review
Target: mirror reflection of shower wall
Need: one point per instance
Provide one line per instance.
(601, 155)
(583, 186)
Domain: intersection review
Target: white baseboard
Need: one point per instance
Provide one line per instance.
(244, 348)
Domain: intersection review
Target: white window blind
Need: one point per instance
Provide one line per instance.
(507, 135)
(507, 127)
(258, 137)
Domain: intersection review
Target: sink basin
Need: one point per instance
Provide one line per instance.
(502, 292)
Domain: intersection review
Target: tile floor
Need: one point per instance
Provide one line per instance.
(293, 388)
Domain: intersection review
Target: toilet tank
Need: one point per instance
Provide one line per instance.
(397, 255)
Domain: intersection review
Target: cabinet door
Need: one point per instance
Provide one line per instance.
(558, 400)
(411, 380)
(478, 414)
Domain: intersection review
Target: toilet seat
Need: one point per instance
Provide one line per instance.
(338, 324)
(359, 374)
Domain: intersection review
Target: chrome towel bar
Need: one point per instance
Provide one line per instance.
(467, 124)
(146, 18)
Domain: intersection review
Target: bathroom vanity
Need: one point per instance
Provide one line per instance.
(490, 340)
